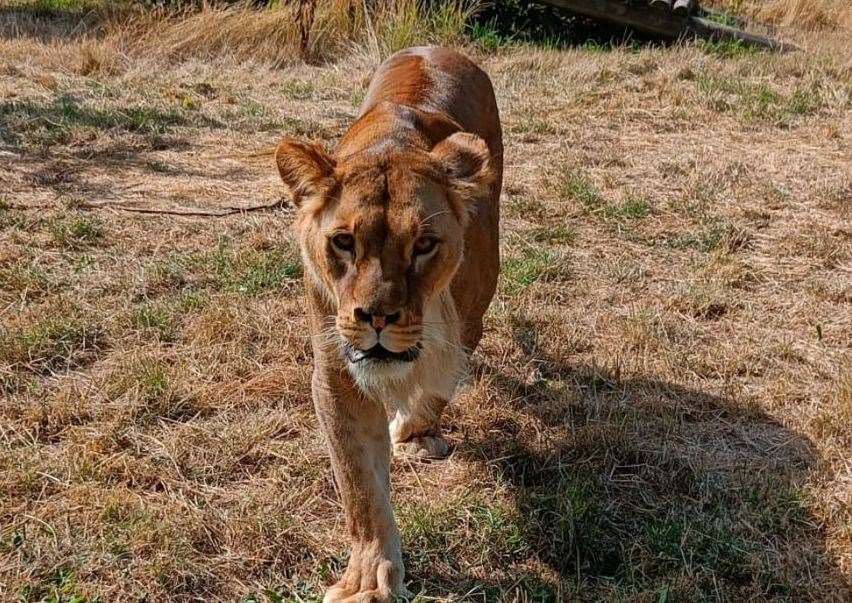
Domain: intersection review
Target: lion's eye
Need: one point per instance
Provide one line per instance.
(424, 245)
(343, 242)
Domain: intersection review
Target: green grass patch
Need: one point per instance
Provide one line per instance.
(612, 45)
(57, 587)
(530, 124)
(758, 102)
(415, 24)
(66, 118)
(567, 526)
(161, 167)
(153, 391)
(558, 235)
(499, 531)
(522, 270)
(155, 320)
(723, 18)
(579, 188)
(526, 207)
(153, 381)
(470, 529)
(573, 185)
(61, 340)
(248, 272)
(306, 128)
(702, 541)
(77, 233)
(11, 218)
(149, 388)
(169, 275)
(425, 530)
(713, 235)
(193, 301)
(28, 282)
(357, 97)
(778, 507)
(251, 116)
(255, 272)
(728, 49)
(298, 90)
(52, 8)
(487, 37)
(631, 207)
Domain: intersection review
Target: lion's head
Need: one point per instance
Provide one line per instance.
(382, 235)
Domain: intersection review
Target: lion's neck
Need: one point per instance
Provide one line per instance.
(398, 126)
(378, 128)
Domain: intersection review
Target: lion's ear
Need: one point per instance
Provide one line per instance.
(467, 162)
(305, 168)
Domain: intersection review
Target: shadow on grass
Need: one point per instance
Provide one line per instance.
(538, 24)
(58, 122)
(633, 488)
(34, 130)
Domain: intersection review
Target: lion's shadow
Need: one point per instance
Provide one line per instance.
(647, 489)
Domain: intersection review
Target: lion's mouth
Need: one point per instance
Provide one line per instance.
(379, 353)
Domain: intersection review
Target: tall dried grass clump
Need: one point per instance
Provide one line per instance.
(807, 13)
(279, 34)
(829, 14)
(398, 24)
(239, 31)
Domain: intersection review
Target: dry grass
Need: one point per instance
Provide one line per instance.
(113, 32)
(792, 13)
(660, 409)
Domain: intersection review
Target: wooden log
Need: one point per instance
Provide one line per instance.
(658, 22)
(665, 23)
(684, 7)
(711, 30)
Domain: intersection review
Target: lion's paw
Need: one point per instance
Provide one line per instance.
(368, 580)
(423, 447)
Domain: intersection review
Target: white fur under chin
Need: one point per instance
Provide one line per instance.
(377, 376)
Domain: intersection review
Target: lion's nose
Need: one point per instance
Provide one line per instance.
(377, 319)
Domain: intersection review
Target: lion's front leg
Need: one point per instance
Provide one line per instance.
(416, 430)
(359, 444)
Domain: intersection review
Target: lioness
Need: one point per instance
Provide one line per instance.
(398, 234)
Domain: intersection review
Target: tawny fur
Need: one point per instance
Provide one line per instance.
(423, 162)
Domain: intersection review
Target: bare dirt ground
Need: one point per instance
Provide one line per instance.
(661, 408)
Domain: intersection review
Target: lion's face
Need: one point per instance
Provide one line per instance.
(381, 238)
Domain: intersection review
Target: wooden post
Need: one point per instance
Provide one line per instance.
(306, 21)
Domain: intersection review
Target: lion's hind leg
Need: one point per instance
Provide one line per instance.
(416, 430)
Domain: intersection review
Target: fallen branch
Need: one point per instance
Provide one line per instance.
(717, 32)
(268, 152)
(212, 213)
